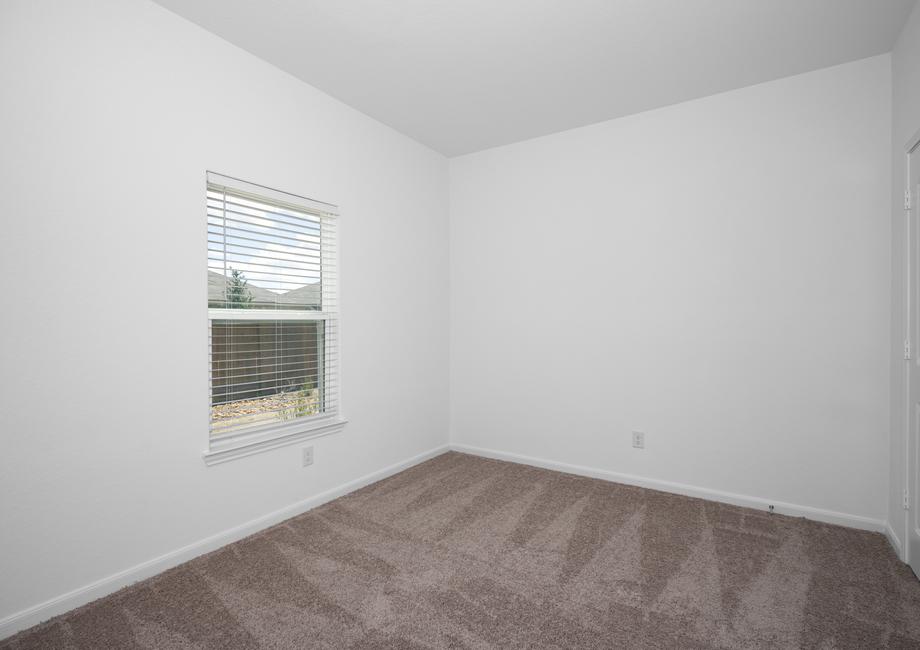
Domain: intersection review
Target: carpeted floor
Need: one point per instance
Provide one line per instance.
(466, 552)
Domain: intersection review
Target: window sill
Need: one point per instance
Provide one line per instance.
(226, 450)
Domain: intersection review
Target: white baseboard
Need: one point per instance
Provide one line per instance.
(73, 599)
(894, 540)
(757, 503)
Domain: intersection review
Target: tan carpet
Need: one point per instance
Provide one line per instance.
(471, 553)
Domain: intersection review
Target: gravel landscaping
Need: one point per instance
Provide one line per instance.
(285, 406)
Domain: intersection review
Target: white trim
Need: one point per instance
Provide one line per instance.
(263, 439)
(816, 514)
(905, 528)
(64, 603)
(912, 143)
(909, 368)
(261, 191)
(893, 539)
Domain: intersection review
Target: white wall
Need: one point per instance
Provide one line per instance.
(715, 274)
(905, 105)
(112, 111)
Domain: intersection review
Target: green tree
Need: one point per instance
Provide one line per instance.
(238, 294)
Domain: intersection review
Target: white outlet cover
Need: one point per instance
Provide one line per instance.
(307, 456)
(638, 440)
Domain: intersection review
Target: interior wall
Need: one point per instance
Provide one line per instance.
(905, 122)
(112, 112)
(714, 274)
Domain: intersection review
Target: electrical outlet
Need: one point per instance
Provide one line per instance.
(307, 456)
(638, 439)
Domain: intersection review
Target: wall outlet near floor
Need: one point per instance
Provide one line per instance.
(638, 439)
(307, 456)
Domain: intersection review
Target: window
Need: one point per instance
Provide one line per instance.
(273, 318)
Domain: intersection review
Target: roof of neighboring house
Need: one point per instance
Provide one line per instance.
(307, 295)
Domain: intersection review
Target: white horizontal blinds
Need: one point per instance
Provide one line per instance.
(272, 299)
(267, 254)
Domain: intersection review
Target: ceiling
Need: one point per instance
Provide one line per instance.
(465, 75)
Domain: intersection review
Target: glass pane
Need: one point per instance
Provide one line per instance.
(265, 371)
(262, 255)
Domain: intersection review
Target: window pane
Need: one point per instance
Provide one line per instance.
(262, 255)
(265, 371)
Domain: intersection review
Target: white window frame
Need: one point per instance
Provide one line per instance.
(233, 445)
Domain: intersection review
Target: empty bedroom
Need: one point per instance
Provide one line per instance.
(428, 324)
